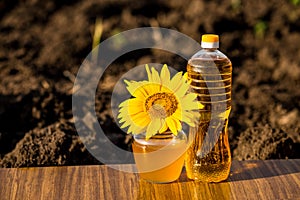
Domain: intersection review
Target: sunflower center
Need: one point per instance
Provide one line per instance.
(161, 105)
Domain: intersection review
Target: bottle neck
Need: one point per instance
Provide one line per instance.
(210, 49)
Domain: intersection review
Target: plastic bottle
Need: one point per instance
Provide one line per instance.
(208, 158)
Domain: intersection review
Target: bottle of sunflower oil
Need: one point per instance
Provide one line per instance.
(208, 157)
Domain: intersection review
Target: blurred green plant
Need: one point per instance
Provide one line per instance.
(260, 29)
(119, 41)
(96, 37)
(295, 2)
(236, 4)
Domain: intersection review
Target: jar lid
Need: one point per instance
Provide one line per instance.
(210, 41)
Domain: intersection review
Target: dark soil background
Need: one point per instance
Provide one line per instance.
(43, 43)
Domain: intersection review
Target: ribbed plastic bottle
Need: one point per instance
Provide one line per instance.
(208, 158)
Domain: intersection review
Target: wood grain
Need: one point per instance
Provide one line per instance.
(272, 179)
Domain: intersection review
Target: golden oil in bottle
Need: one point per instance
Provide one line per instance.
(208, 157)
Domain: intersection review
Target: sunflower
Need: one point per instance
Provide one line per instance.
(159, 104)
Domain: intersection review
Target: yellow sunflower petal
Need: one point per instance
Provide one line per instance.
(176, 81)
(124, 103)
(132, 126)
(189, 97)
(191, 118)
(139, 131)
(123, 117)
(167, 89)
(182, 89)
(138, 89)
(141, 119)
(153, 127)
(135, 129)
(173, 125)
(127, 122)
(193, 106)
(136, 106)
(185, 76)
(130, 111)
(153, 88)
(188, 102)
(177, 114)
(155, 76)
(164, 128)
(148, 73)
(165, 76)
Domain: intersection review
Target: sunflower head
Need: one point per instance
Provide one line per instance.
(159, 104)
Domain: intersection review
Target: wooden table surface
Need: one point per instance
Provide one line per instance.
(272, 179)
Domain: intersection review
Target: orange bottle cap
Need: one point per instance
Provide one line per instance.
(210, 41)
